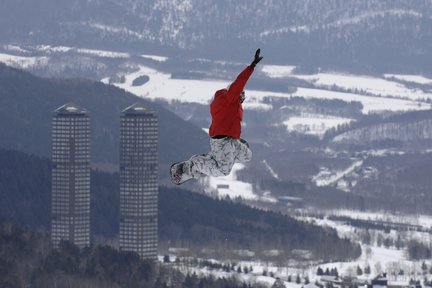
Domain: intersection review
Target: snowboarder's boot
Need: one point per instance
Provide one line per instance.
(179, 173)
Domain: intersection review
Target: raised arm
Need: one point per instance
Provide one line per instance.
(240, 82)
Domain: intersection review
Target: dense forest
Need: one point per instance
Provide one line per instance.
(28, 260)
(186, 219)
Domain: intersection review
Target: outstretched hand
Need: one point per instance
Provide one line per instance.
(257, 58)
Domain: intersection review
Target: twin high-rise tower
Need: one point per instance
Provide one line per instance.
(70, 190)
(138, 178)
(139, 181)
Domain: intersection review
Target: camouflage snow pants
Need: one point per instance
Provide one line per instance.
(221, 158)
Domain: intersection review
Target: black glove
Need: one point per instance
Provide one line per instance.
(257, 58)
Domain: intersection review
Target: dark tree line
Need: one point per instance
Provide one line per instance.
(417, 250)
(28, 260)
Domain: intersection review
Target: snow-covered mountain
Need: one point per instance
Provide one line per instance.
(368, 35)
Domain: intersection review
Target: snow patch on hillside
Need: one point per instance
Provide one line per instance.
(103, 53)
(371, 104)
(419, 79)
(53, 49)
(230, 186)
(277, 71)
(14, 48)
(143, 34)
(326, 177)
(155, 58)
(314, 124)
(270, 169)
(23, 62)
(364, 84)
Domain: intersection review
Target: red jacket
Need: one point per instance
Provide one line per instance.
(226, 109)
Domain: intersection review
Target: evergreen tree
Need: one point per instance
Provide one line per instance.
(278, 284)
(424, 268)
(367, 270)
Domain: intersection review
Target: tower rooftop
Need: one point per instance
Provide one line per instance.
(71, 108)
(138, 108)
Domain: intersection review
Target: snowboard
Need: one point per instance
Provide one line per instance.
(177, 175)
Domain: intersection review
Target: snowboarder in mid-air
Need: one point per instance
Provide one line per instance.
(226, 145)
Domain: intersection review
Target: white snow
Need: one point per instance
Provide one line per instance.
(326, 177)
(277, 71)
(420, 79)
(230, 186)
(103, 53)
(155, 57)
(272, 172)
(372, 85)
(162, 86)
(55, 49)
(366, 16)
(22, 62)
(342, 22)
(314, 124)
(93, 52)
(370, 103)
(281, 30)
(14, 48)
(143, 34)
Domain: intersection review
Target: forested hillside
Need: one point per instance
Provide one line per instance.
(185, 218)
(28, 260)
(27, 103)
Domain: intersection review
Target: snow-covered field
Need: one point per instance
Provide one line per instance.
(371, 104)
(162, 86)
(230, 186)
(22, 62)
(314, 124)
(419, 79)
(358, 83)
(371, 85)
